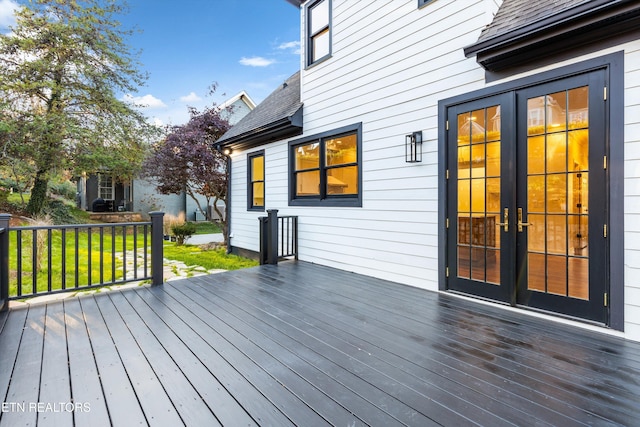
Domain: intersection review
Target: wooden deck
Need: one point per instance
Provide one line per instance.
(301, 344)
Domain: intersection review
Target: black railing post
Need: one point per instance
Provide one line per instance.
(272, 236)
(157, 251)
(4, 261)
(264, 222)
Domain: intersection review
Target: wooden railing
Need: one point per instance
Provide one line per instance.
(278, 237)
(41, 260)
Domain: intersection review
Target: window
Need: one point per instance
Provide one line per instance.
(255, 181)
(318, 31)
(326, 169)
(105, 187)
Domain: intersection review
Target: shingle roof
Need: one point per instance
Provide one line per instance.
(525, 31)
(514, 14)
(282, 105)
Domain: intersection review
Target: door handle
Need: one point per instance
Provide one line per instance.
(520, 223)
(505, 218)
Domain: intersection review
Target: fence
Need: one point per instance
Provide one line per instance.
(278, 237)
(40, 260)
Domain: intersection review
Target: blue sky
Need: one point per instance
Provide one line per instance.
(250, 45)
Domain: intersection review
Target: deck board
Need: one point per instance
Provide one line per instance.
(302, 344)
(124, 408)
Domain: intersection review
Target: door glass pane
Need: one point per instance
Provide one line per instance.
(579, 278)
(537, 191)
(578, 108)
(556, 153)
(493, 159)
(536, 155)
(556, 234)
(556, 275)
(557, 193)
(477, 161)
(479, 201)
(555, 112)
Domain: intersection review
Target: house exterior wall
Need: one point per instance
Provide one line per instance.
(391, 63)
(393, 91)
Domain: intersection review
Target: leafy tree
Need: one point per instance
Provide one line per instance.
(187, 161)
(60, 70)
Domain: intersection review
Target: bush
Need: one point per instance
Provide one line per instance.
(59, 212)
(183, 231)
(65, 189)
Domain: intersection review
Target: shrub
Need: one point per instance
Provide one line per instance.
(170, 220)
(65, 189)
(183, 232)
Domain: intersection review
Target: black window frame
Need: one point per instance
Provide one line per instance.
(324, 199)
(250, 181)
(423, 3)
(310, 36)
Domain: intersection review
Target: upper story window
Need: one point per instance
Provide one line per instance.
(255, 181)
(326, 169)
(318, 31)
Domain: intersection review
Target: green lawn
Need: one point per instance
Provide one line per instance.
(90, 261)
(209, 259)
(89, 258)
(206, 227)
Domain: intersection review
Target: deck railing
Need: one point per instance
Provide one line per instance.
(40, 260)
(278, 237)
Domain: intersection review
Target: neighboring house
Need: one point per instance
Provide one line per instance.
(141, 195)
(485, 148)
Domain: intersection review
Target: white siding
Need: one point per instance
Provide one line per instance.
(632, 191)
(391, 63)
(393, 92)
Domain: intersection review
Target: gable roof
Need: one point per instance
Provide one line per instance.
(277, 117)
(521, 30)
(242, 96)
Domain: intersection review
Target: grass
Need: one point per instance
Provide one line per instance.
(81, 274)
(66, 253)
(206, 227)
(209, 259)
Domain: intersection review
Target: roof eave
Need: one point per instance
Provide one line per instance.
(563, 31)
(296, 3)
(284, 128)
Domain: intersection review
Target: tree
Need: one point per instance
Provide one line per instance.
(60, 70)
(187, 161)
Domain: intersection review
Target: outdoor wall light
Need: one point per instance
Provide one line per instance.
(413, 147)
(227, 151)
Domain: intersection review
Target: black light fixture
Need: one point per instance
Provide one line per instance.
(413, 147)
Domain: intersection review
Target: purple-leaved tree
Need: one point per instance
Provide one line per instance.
(186, 160)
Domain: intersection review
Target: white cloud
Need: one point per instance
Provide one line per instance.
(7, 16)
(192, 97)
(157, 122)
(294, 46)
(146, 101)
(256, 61)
